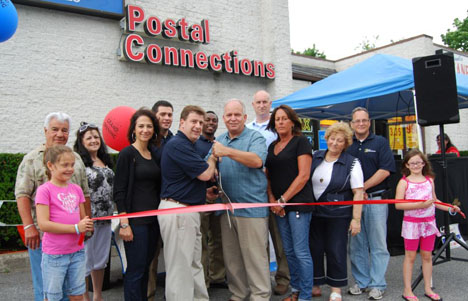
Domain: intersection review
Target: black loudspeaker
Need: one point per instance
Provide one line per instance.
(436, 89)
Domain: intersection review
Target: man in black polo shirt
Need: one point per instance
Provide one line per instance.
(184, 173)
(212, 250)
(368, 249)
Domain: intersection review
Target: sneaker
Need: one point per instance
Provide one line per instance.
(375, 294)
(355, 290)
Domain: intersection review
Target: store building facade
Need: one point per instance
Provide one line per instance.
(78, 63)
(186, 52)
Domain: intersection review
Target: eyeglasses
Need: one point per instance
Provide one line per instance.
(360, 121)
(84, 126)
(414, 164)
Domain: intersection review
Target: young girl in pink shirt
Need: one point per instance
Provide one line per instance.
(61, 216)
(419, 224)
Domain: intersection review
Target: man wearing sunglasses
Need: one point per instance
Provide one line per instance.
(31, 174)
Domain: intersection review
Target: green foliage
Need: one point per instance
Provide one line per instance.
(9, 237)
(366, 44)
(457, 39)
(311, 52)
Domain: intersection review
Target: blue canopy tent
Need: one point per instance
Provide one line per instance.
(382, 84)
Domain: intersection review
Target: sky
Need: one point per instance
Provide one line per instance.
(337, 28)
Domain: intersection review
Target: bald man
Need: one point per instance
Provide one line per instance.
(261, 104)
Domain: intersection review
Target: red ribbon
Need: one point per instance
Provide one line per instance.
(219, 206)
(81, 240)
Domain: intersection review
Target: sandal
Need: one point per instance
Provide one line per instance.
(316, 292)
(410, 298)
(434, 297)
(335, 297)
(293, 297)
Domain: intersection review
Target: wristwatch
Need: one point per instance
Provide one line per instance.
(124, 226)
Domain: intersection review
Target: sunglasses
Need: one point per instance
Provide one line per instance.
(84, 126)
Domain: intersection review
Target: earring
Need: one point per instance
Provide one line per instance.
(133, 137)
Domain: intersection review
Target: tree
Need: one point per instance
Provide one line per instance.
(311, 52)
(457, 39)
(366, 44)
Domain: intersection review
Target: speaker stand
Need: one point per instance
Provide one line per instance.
(449, 237)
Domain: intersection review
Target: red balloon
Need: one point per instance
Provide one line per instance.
(115, 127)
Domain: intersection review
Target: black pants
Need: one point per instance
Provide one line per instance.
(139, 254)
(329, 236)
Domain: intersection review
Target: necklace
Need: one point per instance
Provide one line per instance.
(281, 145)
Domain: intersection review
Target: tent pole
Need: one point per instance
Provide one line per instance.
(418, 127)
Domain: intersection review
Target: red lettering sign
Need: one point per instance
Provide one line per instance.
(153, 54)
(169, 29)
(201, 60)
(130, 40)
(134, 16)
(152, 26)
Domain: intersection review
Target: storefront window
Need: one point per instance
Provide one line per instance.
(402, 133)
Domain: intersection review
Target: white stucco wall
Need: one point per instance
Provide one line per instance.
(59, 61)
(300, 84)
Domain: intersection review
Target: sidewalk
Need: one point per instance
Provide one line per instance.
(450, 280)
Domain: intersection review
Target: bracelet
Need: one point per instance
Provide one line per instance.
(76, 229)
(28, 226)
(281, 201)
(357, 219)
(451, 212)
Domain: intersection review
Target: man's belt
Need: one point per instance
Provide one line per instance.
(377, 193)
(174, 201)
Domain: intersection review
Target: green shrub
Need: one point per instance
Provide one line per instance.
(9, 237)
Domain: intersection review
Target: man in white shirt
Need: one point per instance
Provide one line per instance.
(262, 105)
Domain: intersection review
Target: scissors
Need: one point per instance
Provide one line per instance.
(224, 197)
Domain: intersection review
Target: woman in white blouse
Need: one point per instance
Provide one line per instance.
(336, 176)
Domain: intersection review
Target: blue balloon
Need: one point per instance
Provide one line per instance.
(8, 20)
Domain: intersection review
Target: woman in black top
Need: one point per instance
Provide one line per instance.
(137, 187)
(288, 171)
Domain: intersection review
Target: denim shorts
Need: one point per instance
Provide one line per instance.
(60, 269)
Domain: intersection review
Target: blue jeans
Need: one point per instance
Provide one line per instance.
(294, 230)
(368, 250)
(35, 259)
(139, 253)
(60, 269)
